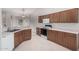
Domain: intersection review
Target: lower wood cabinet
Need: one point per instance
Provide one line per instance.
(16, 39)
(53, 37)
(70, 40)
(27, 34)
(65, 39)
(21, 36)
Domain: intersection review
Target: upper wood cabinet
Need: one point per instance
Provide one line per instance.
(55, 17)
(67, 16)
(40, 20)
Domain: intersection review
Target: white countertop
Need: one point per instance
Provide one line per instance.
(74, 31)
(66, 30)
(21, 30)
(6, 34)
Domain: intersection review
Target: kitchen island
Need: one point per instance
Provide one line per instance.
(10, 40)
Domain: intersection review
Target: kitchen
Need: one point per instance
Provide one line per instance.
(58, 26)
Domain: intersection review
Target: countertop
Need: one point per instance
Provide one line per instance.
(21, 30)
(74, 31)
(66, 30)
(6, 34)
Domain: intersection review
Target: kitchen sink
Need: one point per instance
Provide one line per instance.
(13, 30)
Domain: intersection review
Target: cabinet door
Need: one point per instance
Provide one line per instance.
(60, 38)
(63, 17)
(69, 16)
(16, 39)
(27, 34)
(54, 18)
(70, 41)
(52, 35)
(40, 19)
(21, 38)
(72, 15)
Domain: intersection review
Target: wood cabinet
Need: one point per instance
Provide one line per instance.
(72, 15)
(70, 41)
(16, 39)
(63, 17)
(27, 34)
(65, 39)
(67, 16)
(55, 17)
(21, 36)
(38, 31)
(40, 19)
(52, 37)
(60, 38)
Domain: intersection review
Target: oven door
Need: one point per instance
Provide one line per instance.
(44, 32)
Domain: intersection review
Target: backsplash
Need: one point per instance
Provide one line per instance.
(66, 25)
(62, 25)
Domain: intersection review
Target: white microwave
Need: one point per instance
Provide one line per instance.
(46, 20)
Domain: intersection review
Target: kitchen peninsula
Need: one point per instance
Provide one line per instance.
(15, 38)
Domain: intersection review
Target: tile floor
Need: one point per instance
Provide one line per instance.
(38, 43)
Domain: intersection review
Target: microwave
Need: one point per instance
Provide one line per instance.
(46, 20)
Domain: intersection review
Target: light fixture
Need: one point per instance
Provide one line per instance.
(23, 16)
(23, 10)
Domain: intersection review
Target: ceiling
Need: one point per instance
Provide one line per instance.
(32, 11)
(19, 11)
